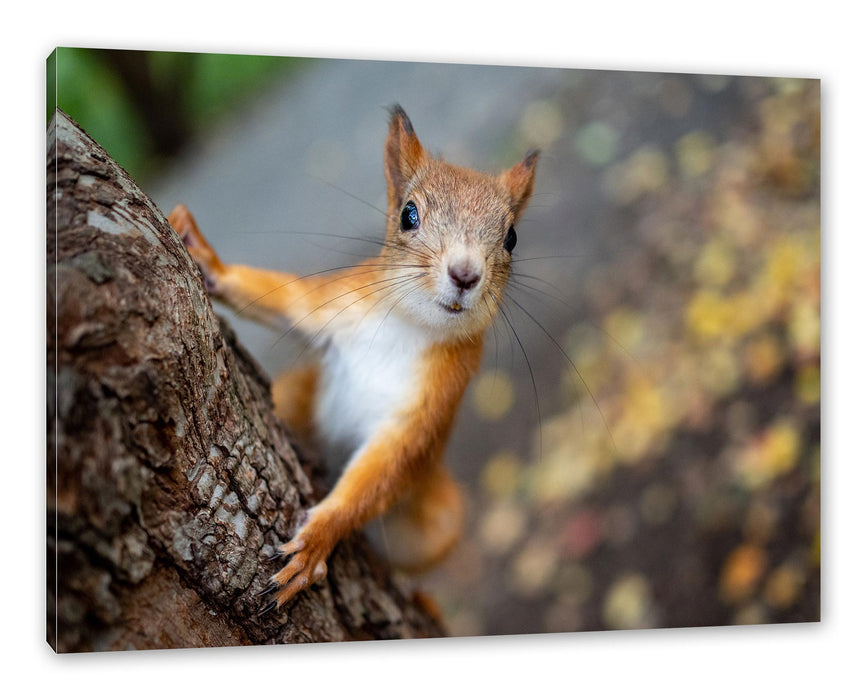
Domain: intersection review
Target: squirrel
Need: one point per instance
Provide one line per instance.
(401, 335)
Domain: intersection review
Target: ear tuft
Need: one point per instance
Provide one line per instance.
(404, 155)
(397, 112)
(531, 157)
(519, 181)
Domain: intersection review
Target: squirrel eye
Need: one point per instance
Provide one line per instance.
(409, 217)
(510, 239)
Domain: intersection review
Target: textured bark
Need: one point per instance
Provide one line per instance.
(169, 480)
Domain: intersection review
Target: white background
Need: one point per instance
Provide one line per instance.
(818, 40)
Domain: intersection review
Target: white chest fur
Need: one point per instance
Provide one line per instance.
(368, 373)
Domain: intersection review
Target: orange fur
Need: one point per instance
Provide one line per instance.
(294, 393)
(404, 453)
(423, 527)
(450, 271)
(303, 303)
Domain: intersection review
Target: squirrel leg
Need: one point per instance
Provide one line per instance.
(312, 304)
(370, 484)
(423, 527)
(294, 395)
(182, 221)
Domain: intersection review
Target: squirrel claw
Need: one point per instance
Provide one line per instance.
(273, 588)
(196, 244)
(267, 608)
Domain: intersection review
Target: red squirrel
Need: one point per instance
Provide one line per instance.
(401, 335)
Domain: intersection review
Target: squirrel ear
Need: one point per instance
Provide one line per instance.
(404, 154)
(519, 182)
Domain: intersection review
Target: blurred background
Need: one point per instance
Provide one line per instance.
(641, 448)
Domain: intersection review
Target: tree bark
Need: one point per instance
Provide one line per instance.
(169, 480)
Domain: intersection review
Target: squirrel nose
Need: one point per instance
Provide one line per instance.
(464, 275)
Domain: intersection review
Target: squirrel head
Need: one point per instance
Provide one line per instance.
(454, 228)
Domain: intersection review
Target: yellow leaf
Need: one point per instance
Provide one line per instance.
(501, 475)
(695, 153)
(762, 358)
(493, 395)
(784, 586)
(708, 315)
(772, 454)
(741, 573)
(534, 568)
(627, 604)
(808, 384)
(716, 263)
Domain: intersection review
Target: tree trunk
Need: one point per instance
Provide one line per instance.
(169, 480)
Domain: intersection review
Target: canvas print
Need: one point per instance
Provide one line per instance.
(344, 350)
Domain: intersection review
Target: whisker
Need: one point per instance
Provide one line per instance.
(526, 288)
(549, 257)
(391, 292)
(383, 282)
(487, 298)
(349, 194)
(403, 279)
(298, 232)
(531, 378)
(337, 250)
(374, 266)
(311, 341)
(393, 306)
(530, 289)
(435, 255)
(570, 362)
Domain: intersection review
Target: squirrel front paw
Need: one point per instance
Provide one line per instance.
(309, 550)
(199, 249)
